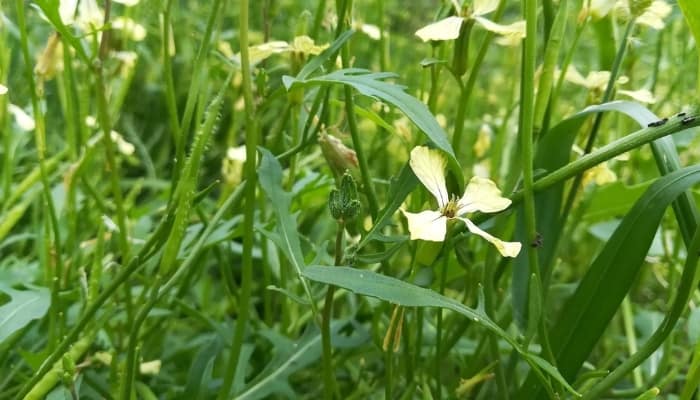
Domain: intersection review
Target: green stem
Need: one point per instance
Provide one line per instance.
(105, 122)
(252, 135)
(170, 99)
(607, 152)
(438, 333)
(318, 18)
(193, 91)
(40, 141)
(468, 87)
(607, 96)
(527, 110)
(344, 10)
(328, 371)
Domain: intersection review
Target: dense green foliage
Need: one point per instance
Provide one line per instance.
(237, 199)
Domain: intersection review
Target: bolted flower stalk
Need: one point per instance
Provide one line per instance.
(344, 206)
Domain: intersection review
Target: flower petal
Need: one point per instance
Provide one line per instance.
(426, 225)
(516, 29)
(429, 167)
(3, 89)
(24, 121)
(482, 195)
(445, 29)
(482, 7)
(641, 95)
(507, 249)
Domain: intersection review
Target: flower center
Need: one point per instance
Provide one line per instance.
(450, 209)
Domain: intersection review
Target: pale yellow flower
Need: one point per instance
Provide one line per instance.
(372, 31)
(232, 164)
(653, 16)
(598, 80)
(449, 28)
(301, 44)
(3, 89)
(24, 121)
(132, 29)
(480, 195)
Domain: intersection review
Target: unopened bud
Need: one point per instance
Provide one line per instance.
(50, 60)
(339, 157)
(343, 202)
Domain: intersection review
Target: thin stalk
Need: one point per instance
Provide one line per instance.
(40, 141)
(344, 10)
(607, 96)
(383, 42)
(193, 91)
(328, 372)
(438, 333)
(318, 18)
(631, 336)
(468, 87)
(551, 54)
(5, 60)
(105, 122)
(527, 113)
(170, 99)
(252, 135)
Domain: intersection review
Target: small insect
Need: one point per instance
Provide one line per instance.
(538, 242)
(687, 120)
(680, 114)
(657, 123)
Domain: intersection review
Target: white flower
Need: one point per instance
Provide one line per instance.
(448, 28)
(480, 195)
(24, 121)
(3, 89)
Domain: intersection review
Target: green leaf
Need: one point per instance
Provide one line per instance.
(24, 307)
(691, 12)
(589, 311)
(400, 188)
(290, 357)
(270, 178)
(200, 371)
(372, 84)
(613, 200)
(369, 283)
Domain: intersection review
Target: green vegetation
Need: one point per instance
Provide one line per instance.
(474, 199)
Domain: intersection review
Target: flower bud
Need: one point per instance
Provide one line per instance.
(339, 157)
(343, 202)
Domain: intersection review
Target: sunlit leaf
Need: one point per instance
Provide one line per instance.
(24, 307)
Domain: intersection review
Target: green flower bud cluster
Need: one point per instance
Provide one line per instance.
(343, 201)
